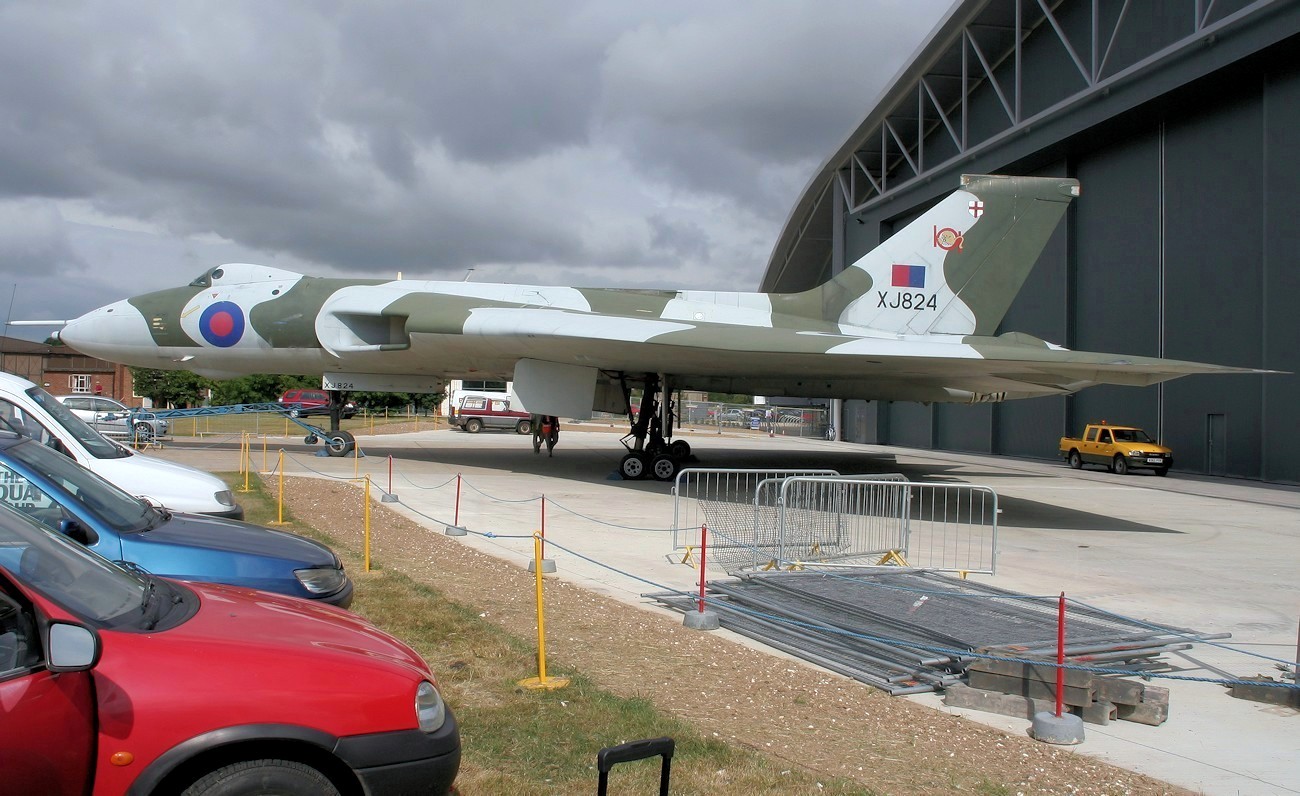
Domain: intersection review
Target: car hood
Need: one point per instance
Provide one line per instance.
(201, 532)
(176, 486)
(280, 625)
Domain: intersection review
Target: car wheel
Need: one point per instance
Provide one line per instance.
(340, 443)
(1162, 471)
(1076, 461)
(143, 432)
(1121, 466)
(632, 467)
(295, 413)
(473, 425)
(663, 468)
(263, 776)
(680, 448)
(523, 427)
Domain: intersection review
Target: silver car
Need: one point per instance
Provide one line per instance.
(115, 419)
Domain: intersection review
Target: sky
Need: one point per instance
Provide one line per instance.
(596, 143)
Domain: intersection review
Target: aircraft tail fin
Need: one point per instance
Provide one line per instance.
(957, 268)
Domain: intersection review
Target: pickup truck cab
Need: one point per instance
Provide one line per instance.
(1118, 448)
(474, 412)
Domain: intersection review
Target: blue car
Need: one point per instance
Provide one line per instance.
(60, 494)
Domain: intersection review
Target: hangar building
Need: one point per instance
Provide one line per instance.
(1181, 119)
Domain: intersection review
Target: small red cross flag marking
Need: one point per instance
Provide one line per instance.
(975, 208)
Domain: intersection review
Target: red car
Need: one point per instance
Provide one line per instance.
(114, 681)
(302, 403)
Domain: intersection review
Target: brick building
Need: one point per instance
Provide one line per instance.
(63, 371)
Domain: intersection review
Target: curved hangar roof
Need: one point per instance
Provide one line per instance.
(1001, 80)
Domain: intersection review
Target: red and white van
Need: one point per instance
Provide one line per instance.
(475, 411)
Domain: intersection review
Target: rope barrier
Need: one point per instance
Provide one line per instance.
(963, 654)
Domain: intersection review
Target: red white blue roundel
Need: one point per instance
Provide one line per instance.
(222, 324)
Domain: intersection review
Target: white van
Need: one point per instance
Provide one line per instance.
(29, 410)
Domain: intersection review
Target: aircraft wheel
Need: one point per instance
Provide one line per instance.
(473, 425)
(523, 427)
(311, 439)
(632, 467)
(340, 443)
(663, 468)
(1121, 466)
(680, 448)
(1076, 461)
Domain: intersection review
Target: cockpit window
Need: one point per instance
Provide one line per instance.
(203, 280)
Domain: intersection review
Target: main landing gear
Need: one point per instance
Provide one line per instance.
(652, 451)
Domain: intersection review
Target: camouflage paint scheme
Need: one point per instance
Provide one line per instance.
(912, 320)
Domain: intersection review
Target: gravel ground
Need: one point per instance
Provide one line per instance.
(786, 710)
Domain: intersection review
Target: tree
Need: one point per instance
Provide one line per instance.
(170, 387)
(258, 388)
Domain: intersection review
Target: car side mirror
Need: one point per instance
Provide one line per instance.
(77, 532)
(72, 648)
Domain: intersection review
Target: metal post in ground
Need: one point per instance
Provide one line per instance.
(455, 528)
(702, 619)
(1058, 727)
(541, 681)
(389, 497)
(547, 564)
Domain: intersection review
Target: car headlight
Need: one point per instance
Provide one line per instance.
(1137, 453)
(321, 580)
(225, 497)
(429, 710)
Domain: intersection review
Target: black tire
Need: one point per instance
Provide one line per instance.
(473, 425)
(340, 443)
(143, 432)
(310, 439)
(633, 467)
(523, 427)
(263, 778)
(1120, 466)
(680, 448)
(1075, 460)
(1162, 471)
(663, 468)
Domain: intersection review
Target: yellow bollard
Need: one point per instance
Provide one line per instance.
(195, 422)
(541, 681)
(279, 509)
(372, 422)
(286, 425)
(356, 462)
(366, 533)
(248, 459)
(263, 453)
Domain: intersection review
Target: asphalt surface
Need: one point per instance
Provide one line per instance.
(1214, 555)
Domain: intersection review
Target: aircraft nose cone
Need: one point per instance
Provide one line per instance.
(117, 332)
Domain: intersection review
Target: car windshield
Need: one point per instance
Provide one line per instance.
(1130, 435)
(70, 574)
(122, 512)
(96, 444)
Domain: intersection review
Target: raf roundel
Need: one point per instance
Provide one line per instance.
(222, 324)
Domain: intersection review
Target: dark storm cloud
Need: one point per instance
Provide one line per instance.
(599, 140)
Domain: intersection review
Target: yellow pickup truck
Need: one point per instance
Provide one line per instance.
(1119, 448)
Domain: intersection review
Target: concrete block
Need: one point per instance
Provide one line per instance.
(1152, 714)
(1118, 690)
(1043, 673)
(1036, 689)
(1288, 695)
(1099, 712)
(1051, 728)
(963, 696)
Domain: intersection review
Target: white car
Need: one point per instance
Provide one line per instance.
(115, 419)
(29, 410)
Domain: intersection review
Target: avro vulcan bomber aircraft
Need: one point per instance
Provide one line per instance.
(913, 320)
